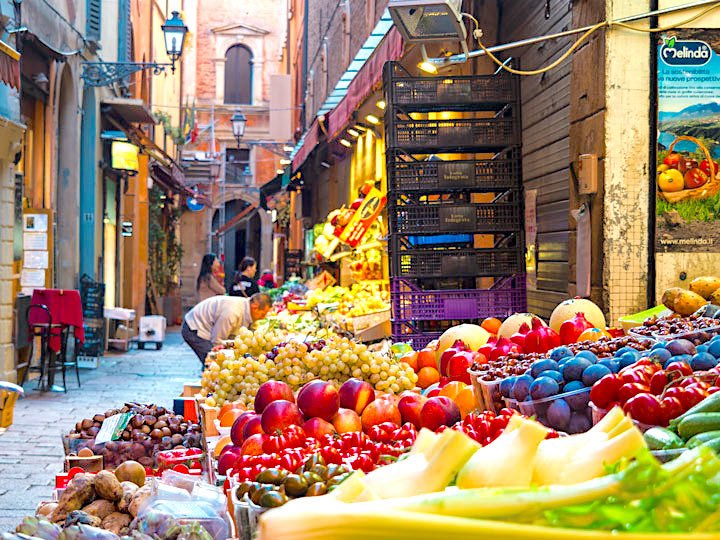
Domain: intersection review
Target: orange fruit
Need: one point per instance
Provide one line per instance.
(230, 406)
(427, 376)
(593, 334)
(426, 358)
(411, 359)
(465, 400)
(222, 443)
(492, 325)
(452, 389)
(228, 419)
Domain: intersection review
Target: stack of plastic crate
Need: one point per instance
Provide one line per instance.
(454, 200)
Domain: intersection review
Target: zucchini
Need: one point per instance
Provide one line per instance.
(714, 445)
(698, 423)
(702, 438)
(707, 405)
(659, 438)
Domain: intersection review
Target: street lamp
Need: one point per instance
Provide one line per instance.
(174, 30)
(238, 122)
(109, 73)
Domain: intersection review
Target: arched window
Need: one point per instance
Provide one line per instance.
(238, 75)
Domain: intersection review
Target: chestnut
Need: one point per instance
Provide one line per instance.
(156, 434)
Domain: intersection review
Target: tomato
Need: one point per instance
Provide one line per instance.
(683, 367)
(691, 396)
(646, 408)
(705, 166)
(636, 375)
(658, 382)
(605, 390)
(671, 408)
(713, 389)
(629, 390)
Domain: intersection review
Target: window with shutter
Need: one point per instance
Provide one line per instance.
(238, 75)
(124, 32)
(93, 23)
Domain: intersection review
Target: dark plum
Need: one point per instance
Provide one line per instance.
(680, 346)
(506, 386)
(579, 423)
(588, 355)
(558, 414)
(594, 373)
(559, 353)
(703, 362)
(546, 364)
(580, 400)
(544, 387)
(628, 359)
(573, 370)
(521, 387)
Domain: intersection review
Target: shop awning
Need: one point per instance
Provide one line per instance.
(383, 44)
(9, 66)
(132, 111)
(170, 177)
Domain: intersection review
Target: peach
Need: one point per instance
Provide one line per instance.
(317, 427)
(279, 415)
(253, 445)
(379, 411)
(410, 407)
(252, 426)
(272, 391)
(356, 395)
(439, 411)
(346, 420)
(236, 431)
(227, 460)
(318, 399)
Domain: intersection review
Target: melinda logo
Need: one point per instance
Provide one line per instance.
(685, 52)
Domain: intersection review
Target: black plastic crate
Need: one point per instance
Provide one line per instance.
(446, 216)
(458, 135)
(483, 92)
(500, 173)
(464, 262)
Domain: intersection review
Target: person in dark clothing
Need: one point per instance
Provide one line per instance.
(244, 283)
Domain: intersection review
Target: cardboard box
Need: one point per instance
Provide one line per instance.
(208, 415)
(186, 407)
(191, 388)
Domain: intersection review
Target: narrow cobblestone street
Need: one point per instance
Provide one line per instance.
(31, 449)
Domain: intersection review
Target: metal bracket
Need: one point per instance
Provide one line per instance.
(108, 73)
(272, 147)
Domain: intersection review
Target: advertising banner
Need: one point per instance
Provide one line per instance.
(686, 179)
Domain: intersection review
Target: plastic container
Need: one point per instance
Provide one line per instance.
(193, 511)
(424, 217)
(539, 407)
(456, 135)
(697, 337)
(633, 321)
(497, 174)
(487, 394)
(246, 515)
(598, 414)
(410, 303)
(440, 262)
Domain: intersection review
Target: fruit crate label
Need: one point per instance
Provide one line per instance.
(459, 265)
(112, 427)
(456, 174)
(457, 218)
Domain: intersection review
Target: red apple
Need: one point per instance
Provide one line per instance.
(705, 166)
(230, 448)
(673, 160)
(379, 411)
(279, 415)
(356, 395)
(252, 426)
(271, 391)
(253, 445)
(318, 398)
(227, 460)
(458, 365)
(236, 431)
(694, 178)
(687, 164)
(317, 427)
(346, 420)
(410, 407)
(439, 411)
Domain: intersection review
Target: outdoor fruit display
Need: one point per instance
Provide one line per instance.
(700, 291)
(148, 430)
(694, 327)
(232, 376)
(570, 308)
(699, 425)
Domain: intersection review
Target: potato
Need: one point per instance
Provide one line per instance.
(682, 302)
(99, 508)
(129, 490)
(705, 286)
(80, 492)
(139, 499)
(107, 486)
(116, 522)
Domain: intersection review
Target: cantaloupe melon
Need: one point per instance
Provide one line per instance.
(569, 308)
(472, 335)
(512, 324)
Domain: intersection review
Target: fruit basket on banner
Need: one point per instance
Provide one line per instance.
(708, 189)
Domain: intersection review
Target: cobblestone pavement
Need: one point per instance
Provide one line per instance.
(31, 449)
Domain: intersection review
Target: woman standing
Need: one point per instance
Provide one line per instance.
(207, 284)
(244, 283)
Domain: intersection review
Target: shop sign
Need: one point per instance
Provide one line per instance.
(124, 156)
(686, 179)
(364, 216)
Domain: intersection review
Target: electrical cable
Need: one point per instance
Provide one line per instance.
(477, 34)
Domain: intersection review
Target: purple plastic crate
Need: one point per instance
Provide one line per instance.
(405, 333)
(505, 297)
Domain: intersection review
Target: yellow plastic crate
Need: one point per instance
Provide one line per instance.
(8, 396)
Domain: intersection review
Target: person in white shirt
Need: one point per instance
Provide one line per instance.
(219, 317)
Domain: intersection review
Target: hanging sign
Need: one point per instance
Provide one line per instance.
(124, 156)
(687, 182)
(366, 212)
(194, 205)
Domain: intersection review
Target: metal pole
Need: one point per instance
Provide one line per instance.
(459, 58)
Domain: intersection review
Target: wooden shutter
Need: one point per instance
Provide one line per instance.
(93, 23)
(124, 32)
(238, 75)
